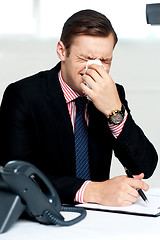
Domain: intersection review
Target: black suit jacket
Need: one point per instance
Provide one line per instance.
(35, 126)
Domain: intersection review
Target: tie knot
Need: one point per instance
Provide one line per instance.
(81, 103)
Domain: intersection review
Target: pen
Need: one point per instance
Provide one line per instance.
(141, 193)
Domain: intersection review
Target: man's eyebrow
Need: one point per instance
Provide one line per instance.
(89, 57)
(106, 59)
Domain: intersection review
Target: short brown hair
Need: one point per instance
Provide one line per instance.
(86, 22)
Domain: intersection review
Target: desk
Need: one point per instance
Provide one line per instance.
(96, 226)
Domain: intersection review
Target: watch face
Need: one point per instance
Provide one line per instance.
(117, 118)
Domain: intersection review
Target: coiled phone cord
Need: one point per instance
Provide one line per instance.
(60, 222)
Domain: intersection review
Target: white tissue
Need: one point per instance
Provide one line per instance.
(96, 61)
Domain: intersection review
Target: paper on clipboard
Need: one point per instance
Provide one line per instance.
(138, 208)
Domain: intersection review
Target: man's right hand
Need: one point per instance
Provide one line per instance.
(118, 191)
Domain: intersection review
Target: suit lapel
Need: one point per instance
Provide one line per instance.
(60, 113)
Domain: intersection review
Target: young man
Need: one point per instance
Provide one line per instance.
(38, 115)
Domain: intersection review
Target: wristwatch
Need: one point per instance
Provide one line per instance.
(116, 116)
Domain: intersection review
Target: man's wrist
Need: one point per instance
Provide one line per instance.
(89, 192)
(117, 129)
(79, 197)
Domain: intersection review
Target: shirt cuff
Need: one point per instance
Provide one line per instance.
(117, 129)
(80, 192)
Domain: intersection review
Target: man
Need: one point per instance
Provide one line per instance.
(38, 115)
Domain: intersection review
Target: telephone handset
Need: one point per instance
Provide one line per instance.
(37, 193)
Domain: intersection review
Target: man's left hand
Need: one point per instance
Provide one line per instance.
(102, 91)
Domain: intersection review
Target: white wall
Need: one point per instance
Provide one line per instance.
(136, 65)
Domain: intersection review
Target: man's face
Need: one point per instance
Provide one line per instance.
(85, 48)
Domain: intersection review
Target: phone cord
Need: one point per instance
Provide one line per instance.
(60, 222)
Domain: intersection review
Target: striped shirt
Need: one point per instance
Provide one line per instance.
(70, 95)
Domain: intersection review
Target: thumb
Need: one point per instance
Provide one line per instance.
(140, 176)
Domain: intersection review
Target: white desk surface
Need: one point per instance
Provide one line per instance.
(96, 226)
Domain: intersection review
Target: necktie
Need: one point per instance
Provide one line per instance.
(81, 140)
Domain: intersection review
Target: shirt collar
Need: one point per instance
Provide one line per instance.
(68, 92)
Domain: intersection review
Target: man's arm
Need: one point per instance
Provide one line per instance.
(131, 146)
(15, 135)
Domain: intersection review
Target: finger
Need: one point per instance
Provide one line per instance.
(87, 79)
(138, 184)
(133, 192)
(99, 69)
(93, 74)
(128, 201)
(88, 91)
(132, 198)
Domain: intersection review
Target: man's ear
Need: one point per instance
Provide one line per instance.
(61, 51)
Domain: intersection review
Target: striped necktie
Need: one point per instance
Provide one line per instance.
(81, 140)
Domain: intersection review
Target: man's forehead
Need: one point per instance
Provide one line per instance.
(92, 47)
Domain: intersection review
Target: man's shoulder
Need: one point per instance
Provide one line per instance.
(28, 86)
(32, 88)
(32, 80)
(34, 83)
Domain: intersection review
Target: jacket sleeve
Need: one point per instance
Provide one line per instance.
(132, 147)
(15, 137)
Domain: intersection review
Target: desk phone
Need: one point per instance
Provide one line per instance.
(23, 187)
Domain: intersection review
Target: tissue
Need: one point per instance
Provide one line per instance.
(94, 61)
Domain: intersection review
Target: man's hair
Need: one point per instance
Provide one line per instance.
(86, 22)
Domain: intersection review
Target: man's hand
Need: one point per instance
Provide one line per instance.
(118, 191)
(102, 91)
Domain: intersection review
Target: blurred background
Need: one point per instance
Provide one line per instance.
(30, 30)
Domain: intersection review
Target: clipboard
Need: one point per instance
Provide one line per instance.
(139, 208)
